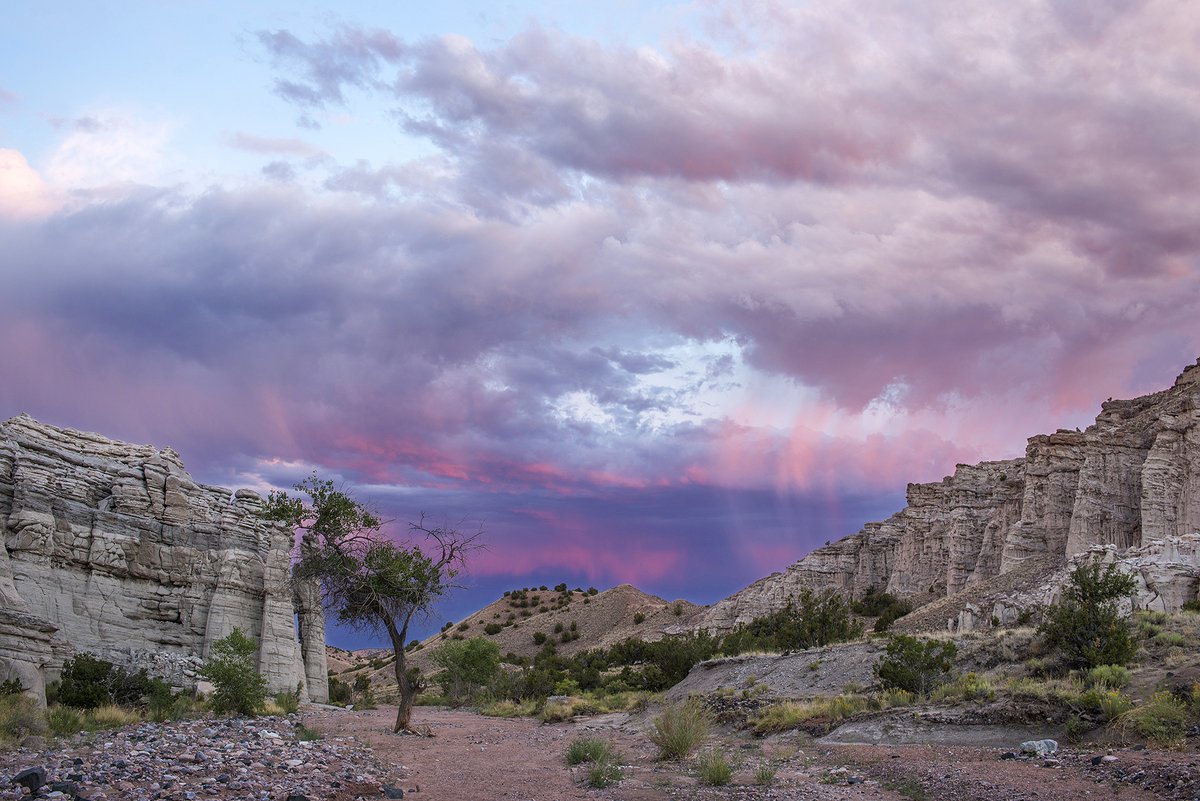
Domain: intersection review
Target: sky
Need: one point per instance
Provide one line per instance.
(651, 292)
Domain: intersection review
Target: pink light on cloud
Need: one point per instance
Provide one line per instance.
(23, 192)
(566, 541)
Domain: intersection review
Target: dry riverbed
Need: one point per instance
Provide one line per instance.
(474, 757)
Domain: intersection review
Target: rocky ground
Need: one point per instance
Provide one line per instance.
(474, 757)
(260, 760)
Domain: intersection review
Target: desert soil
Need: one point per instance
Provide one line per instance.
(474, 757)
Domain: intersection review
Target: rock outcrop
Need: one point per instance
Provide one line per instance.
(1128, 487)
(113, 549)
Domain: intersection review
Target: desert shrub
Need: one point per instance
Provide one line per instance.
(1086, 626)
(20, 717)
(564, 710)
(915, 665)
(88, 682)
(306, 735)
(492, 628)
(1170, 639)
(467, 668)
(895, 697)
(238, 687)
(340, 693)
(1192, 605)
(1163, 720)
(167, 706)
(1112, 703)
(84, 681)
(588, 749)
(791, 714)
(1111, 676)
(539, 637)
(968, 687)
(679, 729)
(288, 701)
(64, 720)
(639, 618)
(11, 687)
(883, 606)
(714, 769)
(509, 709)
(603, 774)
(809, 620)
(109, 716)
(366, 700)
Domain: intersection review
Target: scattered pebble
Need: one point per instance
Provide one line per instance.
(256, 759)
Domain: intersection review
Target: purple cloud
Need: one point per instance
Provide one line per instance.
(720, 298)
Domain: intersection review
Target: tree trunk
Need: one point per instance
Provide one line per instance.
(407, 692)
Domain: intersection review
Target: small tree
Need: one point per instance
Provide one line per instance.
(237, 685)
(370, 581)
(915, 665)
(467, 667)
(1086, 626)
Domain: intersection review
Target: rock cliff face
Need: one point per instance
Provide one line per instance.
(1127, 487)
(113, 549)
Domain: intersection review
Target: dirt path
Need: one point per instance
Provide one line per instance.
(474, 757)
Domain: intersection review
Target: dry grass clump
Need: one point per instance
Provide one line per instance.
(764, 775)
(605, 768)
(64, 721)
(791, 714)
(1163, 720)
(680, 729)
(968, 687)
(714, 769)
(111, 716)
(509, 709)
(563, 709)
(20, 717)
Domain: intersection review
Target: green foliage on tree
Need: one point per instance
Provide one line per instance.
(1086, 627)
(87, 682)
(370, 581)
(883, 606)
(238, 687)
(467, 668)
(915, 665)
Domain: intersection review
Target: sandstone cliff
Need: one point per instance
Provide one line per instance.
(1127, 488)
(113, 549)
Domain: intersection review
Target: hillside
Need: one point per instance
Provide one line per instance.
(524, 619)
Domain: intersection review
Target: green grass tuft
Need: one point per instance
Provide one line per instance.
(680, 729)
(714, 769)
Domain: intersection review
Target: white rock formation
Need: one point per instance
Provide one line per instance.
(113, 549)
(1128, 486)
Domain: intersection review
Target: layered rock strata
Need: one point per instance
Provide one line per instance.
(114, 549)
(1128, 486)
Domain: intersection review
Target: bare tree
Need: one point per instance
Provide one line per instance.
(369, 581)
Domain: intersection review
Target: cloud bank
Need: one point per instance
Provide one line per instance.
(671, 315)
